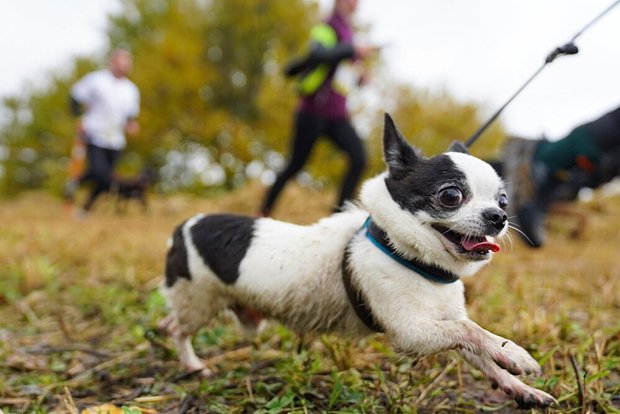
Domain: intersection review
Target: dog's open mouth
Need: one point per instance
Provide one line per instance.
(472, 245)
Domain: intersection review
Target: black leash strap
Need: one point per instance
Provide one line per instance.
(568, 49)
(356, 297)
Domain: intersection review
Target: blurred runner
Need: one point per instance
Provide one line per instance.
(108, 104)
(326, 77)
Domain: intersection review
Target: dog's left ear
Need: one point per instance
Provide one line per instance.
(458, 146)
(397, 153)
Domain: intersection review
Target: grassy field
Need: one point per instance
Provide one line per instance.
(79, 305)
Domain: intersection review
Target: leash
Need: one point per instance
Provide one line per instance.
(358, 300)
(567, 49)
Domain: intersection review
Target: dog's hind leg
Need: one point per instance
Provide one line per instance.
(523, 394)
(185, 350)
(189, 358)
(193, 304)
(183, 343)
(193, 301)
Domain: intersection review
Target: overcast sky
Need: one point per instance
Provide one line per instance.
(479, 50)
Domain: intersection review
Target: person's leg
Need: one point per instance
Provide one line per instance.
(75, 170)
(307, 130)
(101, 166)
(345, 136)
(113, 156)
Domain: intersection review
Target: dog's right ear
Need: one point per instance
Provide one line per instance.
(397, 153)
(458, 146)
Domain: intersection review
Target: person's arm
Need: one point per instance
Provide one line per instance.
(132, 128)
(331, 55)
(324, 49)
(320, 54)
(79, 96)
(75, 107)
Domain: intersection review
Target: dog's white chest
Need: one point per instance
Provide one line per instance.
(398, 295)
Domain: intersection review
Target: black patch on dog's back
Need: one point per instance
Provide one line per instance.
(176, 260)
(415, 189)
(222, 241)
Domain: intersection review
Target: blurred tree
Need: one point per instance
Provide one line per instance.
(212, 92)
(216, 108)
(433, 120)
(38, 133)
(210, 76)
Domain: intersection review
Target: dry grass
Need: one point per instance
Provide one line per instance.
(78, 304)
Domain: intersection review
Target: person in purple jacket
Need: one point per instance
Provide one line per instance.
(322, 109)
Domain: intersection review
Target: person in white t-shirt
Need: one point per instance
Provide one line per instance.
(108, 104)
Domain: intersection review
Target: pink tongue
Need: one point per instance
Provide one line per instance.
(485, 246)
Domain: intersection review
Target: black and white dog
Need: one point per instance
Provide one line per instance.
(392, 265)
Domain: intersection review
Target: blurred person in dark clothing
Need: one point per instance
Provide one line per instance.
(540, 172)
(326, 77)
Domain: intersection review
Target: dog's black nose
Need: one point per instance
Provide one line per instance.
(496, 217)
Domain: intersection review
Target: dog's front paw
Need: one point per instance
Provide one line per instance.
(200, 370)
(524, 395)
(514, 359)
(528, 397)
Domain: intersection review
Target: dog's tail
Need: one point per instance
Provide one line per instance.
(177, 260)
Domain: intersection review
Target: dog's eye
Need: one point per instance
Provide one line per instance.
(450, 197)
(503, 201)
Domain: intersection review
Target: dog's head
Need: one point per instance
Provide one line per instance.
(447, 210)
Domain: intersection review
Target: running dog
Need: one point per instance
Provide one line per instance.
(135, 188)
(392, 265)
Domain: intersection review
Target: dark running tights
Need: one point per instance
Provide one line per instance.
(308, 128)
(101, 163)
